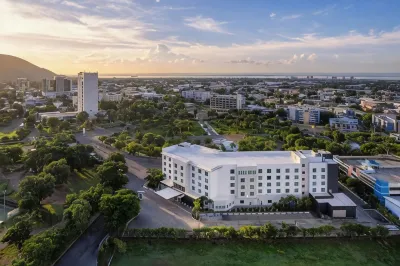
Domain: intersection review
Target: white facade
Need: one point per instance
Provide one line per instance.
(224, 103)
(110, 97)
(198, 96)
(304, 115)
(88, 93)
(244, 178)
(344, 124)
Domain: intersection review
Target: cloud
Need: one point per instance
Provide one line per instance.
(158, 1)
(312, 57)
(272, 15)
(294, 59)
(162, 53)
(206, 24)
(371, 32)
(336, 56)
(73, 4)
(301, 56)
(324, 11)
(295, 16)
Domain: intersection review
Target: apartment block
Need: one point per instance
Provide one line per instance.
(224, 103)
(344, 124)
(304, 115)
(247, 178)
(88, 93)
(386, 122)
(197, 95)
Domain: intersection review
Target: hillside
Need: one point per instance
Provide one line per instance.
(12, 67)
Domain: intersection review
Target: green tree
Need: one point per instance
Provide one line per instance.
(112, 174)
(207, 140)
(59, 169)
(367, 120)
(119, 208)
(116, 157)
(134, 147)
(18, 233)
(154, 177)
(77, 215)
(36, 188)
(64, 125)
(82, 117)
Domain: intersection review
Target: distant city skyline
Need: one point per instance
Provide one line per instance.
(185, 36)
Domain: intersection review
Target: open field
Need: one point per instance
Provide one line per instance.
(302, 252)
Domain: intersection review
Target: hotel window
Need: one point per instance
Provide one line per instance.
(251, 186)
(192, 168)
(165, 157)
(175, 178)
(278, 171)
(181, 180)
(314, 190)
(322, 189)
(296, 170)
(296, 190)
(192, 174)
(251, 193)
(232, 171)
(314, 177)
(268, 171)
(260, 171)
(322, 176)
(287, 190)
(303, 172)
(242, 187)
(206, 187)
(260, 184)
(303, 179)
(242, 180)
(206, 194)
(199, 171)
(268, 191)
(232, 184)
(269, 177)
(268, 184)
(278, 191)
(175, 165)
(206, 180)
(287, 177)
(199, 190)
(260, 191)
(241, 202)
(323, 170)
(260, 178)
(287, 170)
(296, 183)
(165, 169)
(287, 184)
(278, 184)
(314, 170)
(314, 183)
(199, 184)
(181, 174)
(199, 177)
(232, 178)
(193, 188)
(169, 171)
(323, 183)
(251, 179)
(269, 201)
(242, 194)
(169, 159)
(165, 163)
(175, 171)
(193, 182)
(296, 177)
(181, 167)
(278, 177)
(232, 192)
(206, 173)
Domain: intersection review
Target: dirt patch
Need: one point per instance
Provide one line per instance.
(59, 195)
(234, 137)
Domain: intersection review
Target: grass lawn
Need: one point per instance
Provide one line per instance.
(10, 135)
(225, 129)
(82, 180)
(195, 130)
(304, 252)
(8, 254)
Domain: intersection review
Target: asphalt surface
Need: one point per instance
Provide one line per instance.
(155, 211)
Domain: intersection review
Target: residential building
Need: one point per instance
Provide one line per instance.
(304, 115)
(23, 84)
(386, 122)
(247, 178)
(381, 172)
(368, 104)
(224, 103)
(344, 124)
(110, 97)
(197, 95)
(88, 93)
(58, 86)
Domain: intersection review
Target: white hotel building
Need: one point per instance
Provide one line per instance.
(247, 178)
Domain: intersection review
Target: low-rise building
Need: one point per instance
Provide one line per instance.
(344, 124)
(110, 97)
(197, 95)
(224, 103)
(247, 178)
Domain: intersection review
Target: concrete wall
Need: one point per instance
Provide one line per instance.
(333, 176)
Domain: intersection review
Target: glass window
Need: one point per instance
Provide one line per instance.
(278, 177)
(251, 186)
(192, 168)
(181, 167)
(303, 172)
(260, 191)
(269, 177)
(251, 179)
(199, 190)
(181, 174)
(232, 171)
(242, 187)
(199, 177)
(278, 184)
(268, 171)
(206, 173)
(314, 177)
(199, 184)
(314, 183)
(199, 171)
(314, 170)
(242, 202)
(192, 174)
(175, 165)
(193, 188)
(296, 183)
(206, 194)
(193, 182)
(169, 159)
(322, 176)
(206, 187)
(242, 180)
(287, 170)
(260, 171)
(232, 184)
(175, 171)
(260, 178)
(232, 178)
(278, 191)
(296, 177)
(287, 177)
(323, 170)
(165, 157)
(287, 184)
(260, 184)
(269, 201)
(268, 190)
(314, 190)
(322, 189)
(175, 178)
(323, 183)
(251, 193)
(268, 184)
(303, 165)
(181, 180)
(296, 170)
(278, 171)
(296, 190)
(242, 194)
(206, 180)
(232, 192)
(165, 163)
(287, 190)
(165, 169)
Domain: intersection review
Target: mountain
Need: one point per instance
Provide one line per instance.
(12, 67)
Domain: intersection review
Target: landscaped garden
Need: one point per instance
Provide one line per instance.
(301, 252)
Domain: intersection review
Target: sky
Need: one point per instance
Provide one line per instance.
(203, 36)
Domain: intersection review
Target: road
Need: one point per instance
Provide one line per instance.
(155, 211)
(15, 123)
